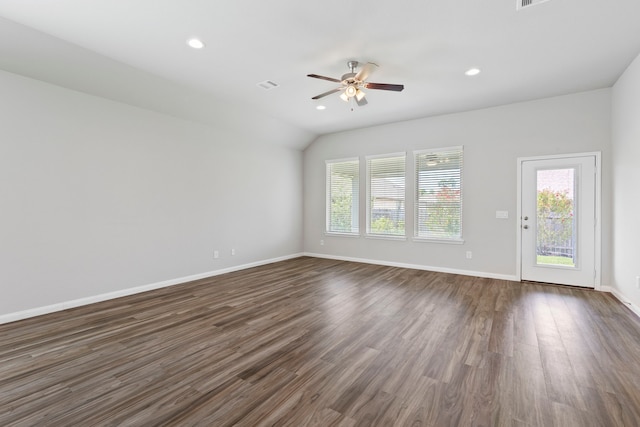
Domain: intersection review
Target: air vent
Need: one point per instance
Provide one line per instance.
(522, 4)
(267, 84)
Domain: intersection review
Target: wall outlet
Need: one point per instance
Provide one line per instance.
(216, 254)
(321, 242)
(233, 251)
(638, 282)
(469, 254)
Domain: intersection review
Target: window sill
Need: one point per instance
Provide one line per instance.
(382, 237)
(336, 234)
(441, 241)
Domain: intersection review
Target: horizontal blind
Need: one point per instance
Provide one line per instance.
(439, 194)
(342, 196)
(386, 195)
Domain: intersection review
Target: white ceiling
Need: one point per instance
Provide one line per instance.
(135, 50)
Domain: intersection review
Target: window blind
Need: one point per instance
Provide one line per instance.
(342, 196)
(438, 207)
(386, 195)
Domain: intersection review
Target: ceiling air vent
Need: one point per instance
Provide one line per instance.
(522, 4)
(267, 84)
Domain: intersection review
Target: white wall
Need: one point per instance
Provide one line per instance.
(493, 139)
(97, 196)
(626, 179)
(40, 56)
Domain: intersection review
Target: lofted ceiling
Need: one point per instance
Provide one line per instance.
(135, 51)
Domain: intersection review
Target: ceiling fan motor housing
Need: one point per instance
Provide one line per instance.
(348, 78)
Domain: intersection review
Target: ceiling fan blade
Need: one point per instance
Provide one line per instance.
(362, 102)
(384, 86)
(327, 93)
(364, 72)
(331, 79)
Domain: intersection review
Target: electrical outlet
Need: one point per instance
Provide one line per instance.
(638, 282)
(233, 251)
(216, 254)
(469, 255)
(321, 242)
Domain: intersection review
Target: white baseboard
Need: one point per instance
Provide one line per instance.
(12, 317)
(20, 315)
(623, 299)
(509, 277)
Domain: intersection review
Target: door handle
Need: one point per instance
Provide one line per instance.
(526, 227)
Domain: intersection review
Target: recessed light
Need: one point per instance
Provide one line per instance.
(472, 71)
(195, 43)
(321, 107)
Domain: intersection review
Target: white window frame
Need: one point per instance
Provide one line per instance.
(416, 233)
(389, 236)
(355, 206)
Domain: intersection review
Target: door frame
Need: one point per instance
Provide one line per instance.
(598, 212)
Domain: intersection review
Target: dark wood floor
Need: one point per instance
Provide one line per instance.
(328, 343)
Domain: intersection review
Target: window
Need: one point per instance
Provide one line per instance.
(438, 208)
(342, 196)
(385, 195)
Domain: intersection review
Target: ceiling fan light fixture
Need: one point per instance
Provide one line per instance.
(359, 95)
(344, 97)
(351, 91)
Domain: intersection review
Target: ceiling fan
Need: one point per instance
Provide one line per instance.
(352, 83)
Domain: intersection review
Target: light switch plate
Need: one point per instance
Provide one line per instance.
(502, 214)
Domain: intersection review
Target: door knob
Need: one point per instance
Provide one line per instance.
(526, 218)
(526, 227)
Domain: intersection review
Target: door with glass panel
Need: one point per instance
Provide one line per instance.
(558, 218)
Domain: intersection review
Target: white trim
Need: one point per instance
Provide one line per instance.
(598, 213)
(598, 202)
(456, 241)
(385, 155)
(38, 311)
(520, 160)
(348, 159)
(396, 237)
(622, 298)
(340, 234)
(416, 266)
(437, 150)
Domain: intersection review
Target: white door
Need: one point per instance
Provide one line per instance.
(558, 220)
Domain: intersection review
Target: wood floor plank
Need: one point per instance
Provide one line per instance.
(316, 342)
